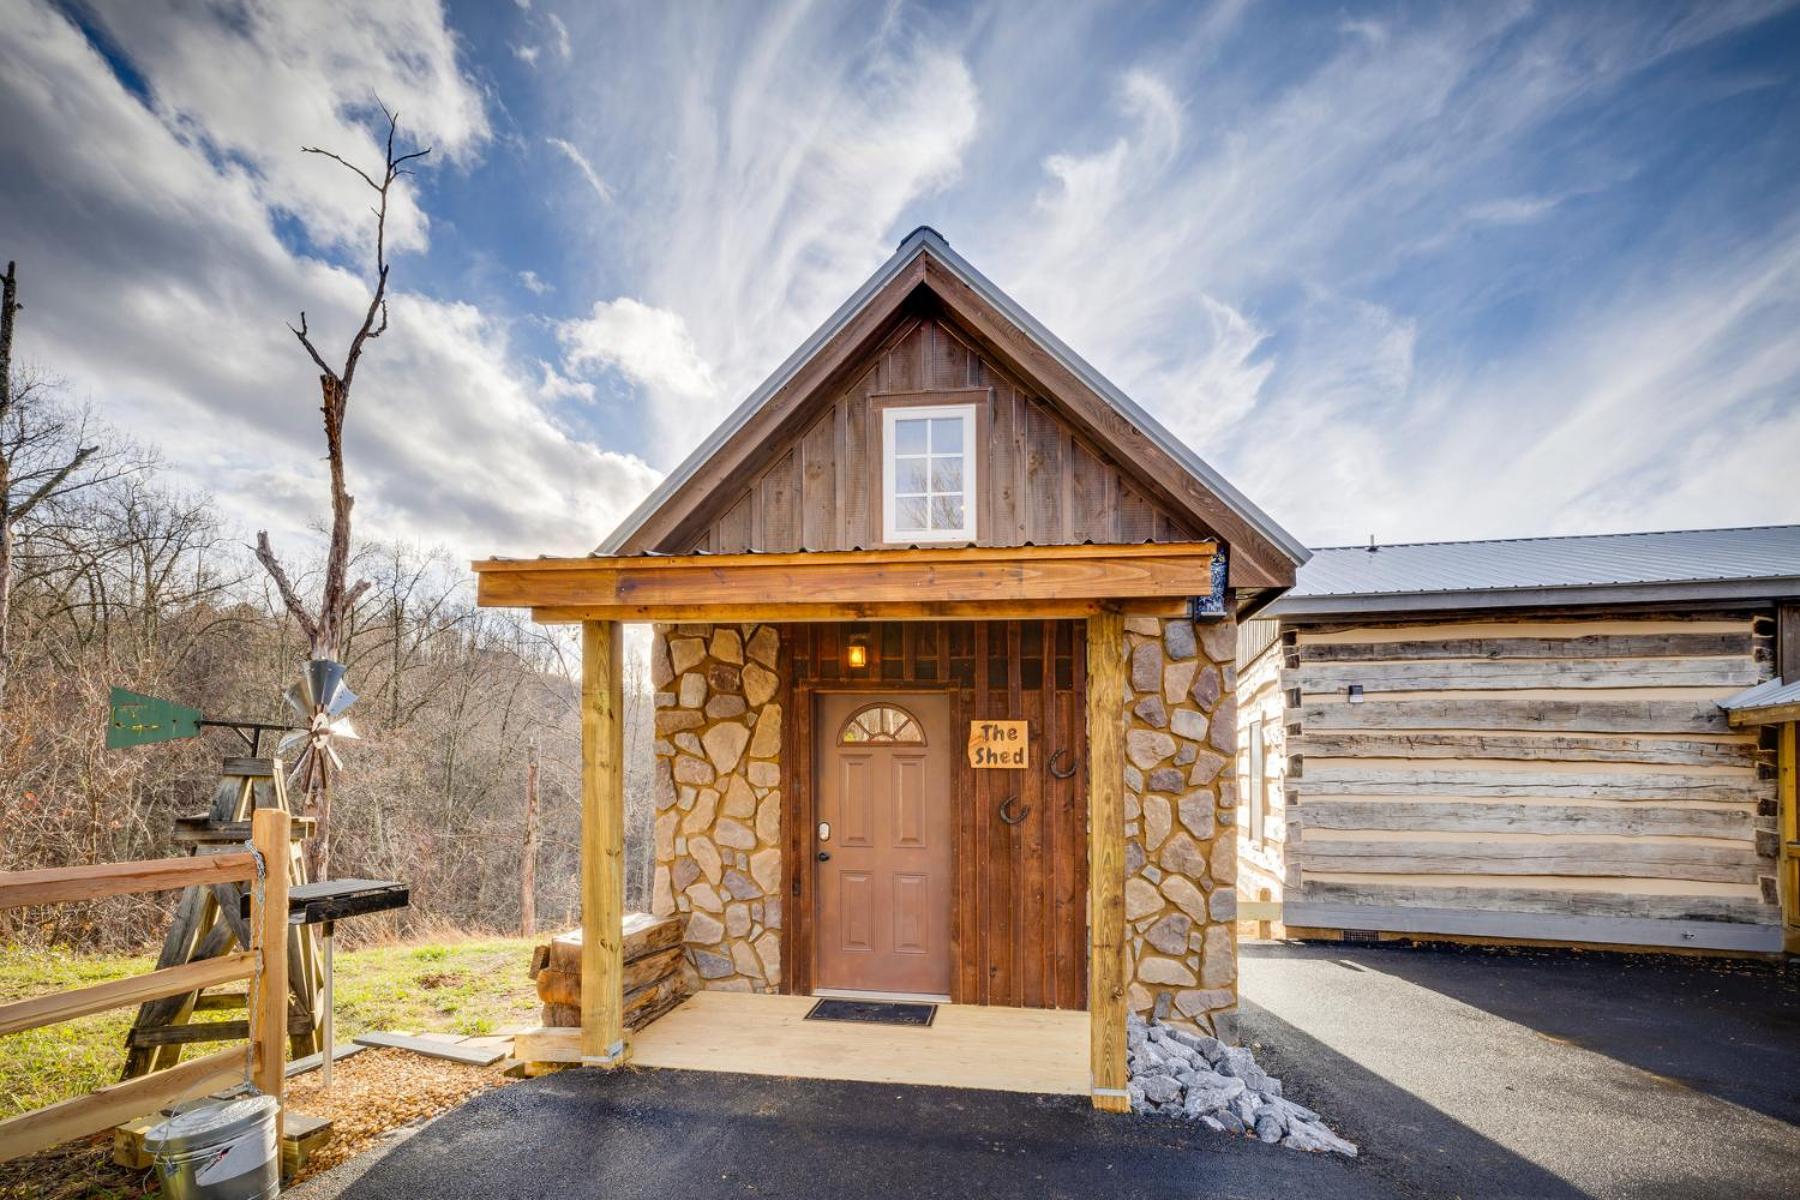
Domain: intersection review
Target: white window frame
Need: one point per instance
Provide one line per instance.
(970, 457)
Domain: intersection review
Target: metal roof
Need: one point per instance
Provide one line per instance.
(1770, 693)
(1760, 562)
(920, 240)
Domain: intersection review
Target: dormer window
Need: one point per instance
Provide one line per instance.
(928, 473)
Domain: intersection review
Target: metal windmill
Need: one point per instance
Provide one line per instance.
(318, 700)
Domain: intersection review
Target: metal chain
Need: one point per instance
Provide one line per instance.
(258, 892)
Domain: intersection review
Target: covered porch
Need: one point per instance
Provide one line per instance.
(1050, 1049)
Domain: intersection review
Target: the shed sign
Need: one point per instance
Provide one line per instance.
(1002, 745)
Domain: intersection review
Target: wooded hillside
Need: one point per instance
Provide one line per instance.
(127, 583)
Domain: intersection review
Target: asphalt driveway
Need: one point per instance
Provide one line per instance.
(662, 1135)
(1539, 1073)
(1460, 1073)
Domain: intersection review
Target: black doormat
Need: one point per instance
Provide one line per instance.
(872, 1012)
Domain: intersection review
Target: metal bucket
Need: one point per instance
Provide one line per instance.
(219, 1150)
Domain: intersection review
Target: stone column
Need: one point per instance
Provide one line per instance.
(1180, 805)
(718, 799)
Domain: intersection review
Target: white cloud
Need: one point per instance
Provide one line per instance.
(527, 54)
(448, 442)
(569, 151)
(531, 283)
(650, 346)
(276, 77)
(561, 33)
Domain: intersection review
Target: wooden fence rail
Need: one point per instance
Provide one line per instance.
(262, 1060)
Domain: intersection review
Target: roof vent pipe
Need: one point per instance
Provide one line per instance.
(1372, 546)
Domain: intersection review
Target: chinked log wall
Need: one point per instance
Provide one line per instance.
(1020, 926)
(1557, 778)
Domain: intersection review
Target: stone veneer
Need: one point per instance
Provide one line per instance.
(1180, 806)
(718, 800)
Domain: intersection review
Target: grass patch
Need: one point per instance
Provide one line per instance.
(467, 986)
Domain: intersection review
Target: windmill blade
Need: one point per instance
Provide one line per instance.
(291, 742)
(340, 699)
(342, 728)
(296, 700)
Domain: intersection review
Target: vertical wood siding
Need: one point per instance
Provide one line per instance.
(1020, 917)
(1041, 483)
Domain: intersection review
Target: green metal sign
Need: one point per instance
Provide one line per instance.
(139, 720)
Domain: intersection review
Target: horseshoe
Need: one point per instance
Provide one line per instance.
(1068, 774)
(1008, 803)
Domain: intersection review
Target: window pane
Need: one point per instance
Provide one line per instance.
(909, 436)
(909, 513)
(909, 476)
(946, 434)
(946, 474)
(946, 512)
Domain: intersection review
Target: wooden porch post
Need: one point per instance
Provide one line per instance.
(602, 844)
(1788, 805)
(1106, 860)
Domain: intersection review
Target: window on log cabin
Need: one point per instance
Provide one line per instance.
(928, 463)
(1257, 784)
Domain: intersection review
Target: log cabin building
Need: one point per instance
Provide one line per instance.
(1573, 740)
(944, 631)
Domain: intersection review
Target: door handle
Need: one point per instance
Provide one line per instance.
(824, 856)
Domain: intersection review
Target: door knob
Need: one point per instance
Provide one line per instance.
(824, 856)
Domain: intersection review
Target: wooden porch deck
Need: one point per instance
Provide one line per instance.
(1035, 1050)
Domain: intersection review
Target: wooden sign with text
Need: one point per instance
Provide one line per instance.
(1002, 745)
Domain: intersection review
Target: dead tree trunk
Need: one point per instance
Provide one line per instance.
(325, 627)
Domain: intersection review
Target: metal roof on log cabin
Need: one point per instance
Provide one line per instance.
(1075, 461)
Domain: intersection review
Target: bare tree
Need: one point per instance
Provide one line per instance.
(38, 459)
(326, 627)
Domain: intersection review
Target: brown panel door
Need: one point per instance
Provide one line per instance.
(884, 788)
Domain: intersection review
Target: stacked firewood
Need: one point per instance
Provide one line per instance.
(653, 976)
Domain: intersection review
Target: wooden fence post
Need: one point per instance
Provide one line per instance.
(269, 834)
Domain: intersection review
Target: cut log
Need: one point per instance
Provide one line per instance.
(1593, 645)
(1664, 820)
(1562, 856)
(644, 934)
(1739, 752)
(1575, 715)
(1541, 900)
(1318, 678)
(564, 987)
(1351, 779)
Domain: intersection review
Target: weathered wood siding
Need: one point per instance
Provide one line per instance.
(1020, 906)
(1040, 482)
(1567, 778)
(1262, 845)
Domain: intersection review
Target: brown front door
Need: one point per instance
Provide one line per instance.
(885, 835)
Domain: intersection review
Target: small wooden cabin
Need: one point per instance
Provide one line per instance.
(943, 659)
(1528, 739)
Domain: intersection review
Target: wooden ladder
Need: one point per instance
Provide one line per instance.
(208, 924)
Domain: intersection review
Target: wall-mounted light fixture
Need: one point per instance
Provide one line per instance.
(857, 653)
(1353, 693)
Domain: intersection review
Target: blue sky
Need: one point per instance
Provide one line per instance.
(1421, 271)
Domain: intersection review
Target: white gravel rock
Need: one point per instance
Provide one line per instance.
(1175, 1073)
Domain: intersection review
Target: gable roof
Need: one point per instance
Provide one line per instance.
(924, 259)
(1698, 564)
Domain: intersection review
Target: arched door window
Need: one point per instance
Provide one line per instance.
(881, 725)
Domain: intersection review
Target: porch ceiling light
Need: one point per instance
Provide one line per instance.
(857, 652)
